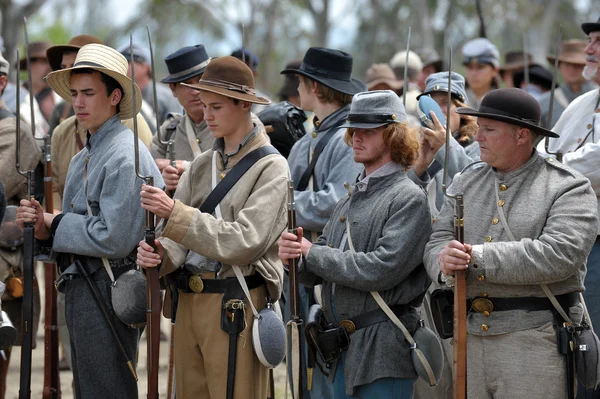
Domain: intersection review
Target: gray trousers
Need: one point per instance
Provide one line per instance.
(521, 364)
(99, 369)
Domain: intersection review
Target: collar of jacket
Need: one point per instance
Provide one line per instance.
(256, 138)
(380, 182)
(94, 140)
(523, 169)
(332, 119)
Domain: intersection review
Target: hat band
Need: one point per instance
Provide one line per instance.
(325, 73)
(489, 110)
(370, 118)
(229, 86)
(186, 72)
(88, 63)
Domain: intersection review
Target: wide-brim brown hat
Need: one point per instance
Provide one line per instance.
(55, 53)
(382, 74)
(35, 50)
(229, 77)
(513, 106)
(105, 60)
(515, 60)
(571, 51)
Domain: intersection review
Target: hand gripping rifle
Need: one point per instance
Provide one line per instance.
(558, 153)
(294, 326)
(51, 374)
(27, 307)
(460, 285)
(152, 284)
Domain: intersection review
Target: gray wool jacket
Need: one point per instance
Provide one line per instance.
(551, 210)
(334, 167)
(390, 225)
(113, 192)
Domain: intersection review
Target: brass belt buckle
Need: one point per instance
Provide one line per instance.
(196, 284)
(482, 305)
(347, 325)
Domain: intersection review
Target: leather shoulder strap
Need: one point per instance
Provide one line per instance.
(303, 182)
(217, 194)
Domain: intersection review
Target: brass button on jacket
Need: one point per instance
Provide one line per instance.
(589, 126)
(495, 221)
(488, 239)
(484, 327)
(501, 203)
(342, 219)
(503, 187)
(481, 277)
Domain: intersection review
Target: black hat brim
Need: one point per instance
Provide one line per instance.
(351, 86)
(179, 79)
(590, 27)
(507, 119)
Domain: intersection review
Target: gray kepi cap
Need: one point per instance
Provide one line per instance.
(372, 109)
(439, 82)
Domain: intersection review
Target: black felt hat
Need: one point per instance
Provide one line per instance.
(185, 63)
(333, 68)
(537, 75)
(513, 106)
(591, 27)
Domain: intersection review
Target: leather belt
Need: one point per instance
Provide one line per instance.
(192, 283)
(486, 305)
(370, 318)
(95, 267)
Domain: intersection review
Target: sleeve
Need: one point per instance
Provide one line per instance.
(117, 229)
(255, 229)
(459, 158)
(30, 155)
(397, 253)
(157, 148)
(337, 167)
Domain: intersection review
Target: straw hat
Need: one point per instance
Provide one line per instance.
(105, 60)
(229, 77)
(571, 51)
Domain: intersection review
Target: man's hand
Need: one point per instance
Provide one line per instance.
(161, 163)
(32, 212)
(436, 137)
(426, 154)
(171, 177)
(292, 246)
(454, 256)
(156, 201)
(146, 257)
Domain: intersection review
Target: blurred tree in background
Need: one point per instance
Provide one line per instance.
(281, 30)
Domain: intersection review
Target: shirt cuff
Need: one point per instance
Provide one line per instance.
(477, 259)
(55, 223)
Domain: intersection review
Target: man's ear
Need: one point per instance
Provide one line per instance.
(115, 96)
(173, 87)
(246, 105)
(523, 135)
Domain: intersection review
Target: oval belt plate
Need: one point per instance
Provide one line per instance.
(347, 325)
(196, 284)
(481, 305)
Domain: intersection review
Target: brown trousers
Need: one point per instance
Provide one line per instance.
(201, 350)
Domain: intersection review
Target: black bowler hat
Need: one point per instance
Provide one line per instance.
(537, 75)
(185, 63)
(591, 27)
(513, 106)
(333, 68)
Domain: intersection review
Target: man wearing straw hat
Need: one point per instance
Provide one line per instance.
(101, 219)
(529, 225)
(571, 61)
(200, 252)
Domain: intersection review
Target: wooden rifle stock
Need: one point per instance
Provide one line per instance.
(51, 357)
(460, 309)
(296, 318)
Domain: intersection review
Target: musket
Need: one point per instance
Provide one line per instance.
(51, 360)
(28, 254)
(404, 90)
(294, 326)
(243, 44)
(152, 283)
(460, 284)
(525, 60)
(558, 153)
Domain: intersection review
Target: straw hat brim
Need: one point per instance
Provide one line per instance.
(229, 93)
(59, 82)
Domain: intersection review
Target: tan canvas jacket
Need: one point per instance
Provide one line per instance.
(253, 211)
